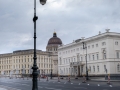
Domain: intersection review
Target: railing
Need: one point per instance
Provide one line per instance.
(75, 63)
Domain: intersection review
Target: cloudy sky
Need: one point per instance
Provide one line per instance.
(71, 19)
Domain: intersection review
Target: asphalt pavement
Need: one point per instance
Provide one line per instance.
(43, 84)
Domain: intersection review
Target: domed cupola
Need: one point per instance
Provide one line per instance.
(53, 43)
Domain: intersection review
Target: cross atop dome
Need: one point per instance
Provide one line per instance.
(54, 34)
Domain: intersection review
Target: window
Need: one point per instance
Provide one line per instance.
(94, 68)
(92, 46)
(117, 54)
(98, 68)
(103, 43)
(96, 45)
(89, 56)
(104, 54)
(93, 57)
(105, 67)
(78, 58)
(118, 67)
(81, 58)
(116, 43)
(90, 68)
(97, 57)
(81, 68)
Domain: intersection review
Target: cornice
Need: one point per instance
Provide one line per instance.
(91, 39)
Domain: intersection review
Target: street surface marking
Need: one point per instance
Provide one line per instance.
(98, 85)
(65, 83)
(8, 88)
(81, 87)
(79, 83)
(26, 84)
(40, 87)
(53, 88)
(88, 84)
(71, 83)
(110, 85)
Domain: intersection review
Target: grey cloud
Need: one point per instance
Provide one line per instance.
(71, 20)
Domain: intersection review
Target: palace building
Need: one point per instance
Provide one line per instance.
(21, 61)
(101, 51)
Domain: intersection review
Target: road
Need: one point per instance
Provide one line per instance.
(20, 84)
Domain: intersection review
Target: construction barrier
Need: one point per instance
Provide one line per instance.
(47, 78)
(69, 79)
(108, 78)
(84, 79)
(58, 79)
(27, 77)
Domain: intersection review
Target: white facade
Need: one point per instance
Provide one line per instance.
(103, 56)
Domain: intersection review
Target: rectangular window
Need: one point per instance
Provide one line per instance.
(81, 58)
(90, 68)
(98, 68)
(97, 57)
(116, 43)
(96, 45)
(103, 43)
(82, 68)
(118, 67)
(104, 67)
(93, 57)
(117, 53)
(104, 55)
(94, 68)
(89, 56)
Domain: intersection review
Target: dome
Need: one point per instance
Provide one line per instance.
(54, 40)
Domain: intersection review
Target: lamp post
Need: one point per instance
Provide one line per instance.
(35, 72)
(85, 47)
(51, 67)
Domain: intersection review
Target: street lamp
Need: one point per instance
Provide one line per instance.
(51, 66)
(35, 72)
(85, 47)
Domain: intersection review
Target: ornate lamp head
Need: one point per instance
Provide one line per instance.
(43, 2)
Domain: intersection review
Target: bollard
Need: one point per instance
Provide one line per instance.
(47, 78)
(69, 79)
(39, 78)
(108, 79)
(27, 77)
(84, 79)
(58, 79)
